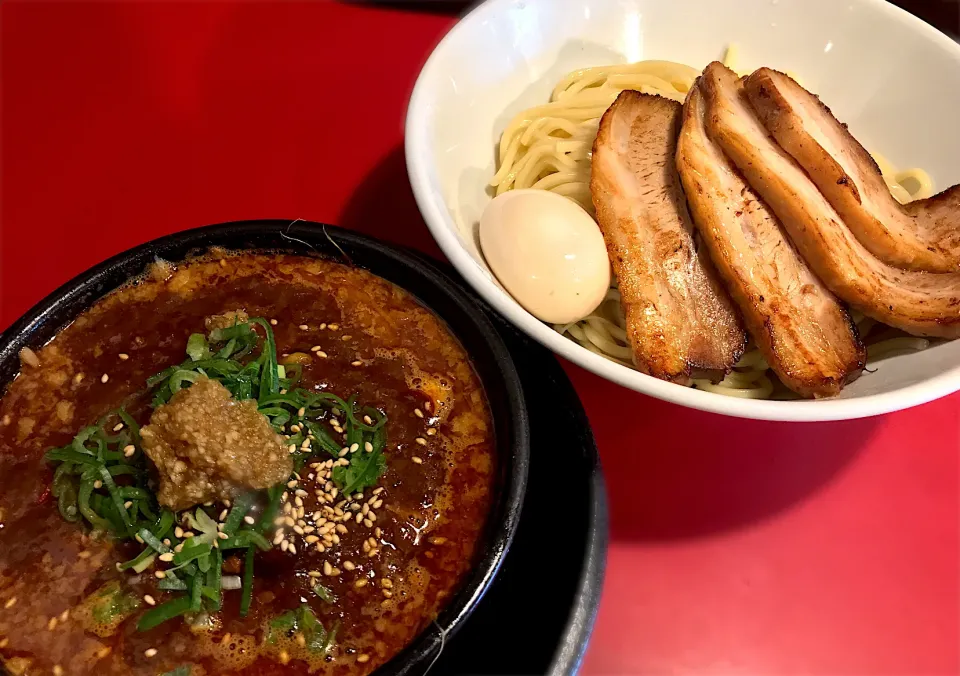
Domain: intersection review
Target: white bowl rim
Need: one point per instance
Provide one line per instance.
(443, 228)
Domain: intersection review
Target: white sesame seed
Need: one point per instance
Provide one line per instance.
(159, 574)
(378, 491)
(378, 504)
(417, 460)
(166, 557)
(149, 600)
(178, 531)
(333, 327)
(222, 536)
(304, 327)
(118, 427)
(315, 348)
(129, 450)
(292, 548)
(104, 378)
(417, 412)
(421, 441)
(128, 504)
(150, 652)
(123, 356)
(431, 431)
(349, 565)
(98, 484)
(51, 624)
(356, 363)
(278, 538)
(273, 322)
(321, 354)
(249, 519)
(223, 515)
(284, 545)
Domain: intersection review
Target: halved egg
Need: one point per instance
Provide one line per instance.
(547, 252)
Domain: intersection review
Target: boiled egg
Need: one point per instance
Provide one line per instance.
(547, 252)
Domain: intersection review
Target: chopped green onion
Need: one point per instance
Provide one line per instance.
(214, 575)
(170, 583)
(197, 347)
(192, 553)
(151, 540)
(245, 538)
(83, 501)
(241, 505)
(246, 595)
(196, 588)
(165, 611)
(324, 593)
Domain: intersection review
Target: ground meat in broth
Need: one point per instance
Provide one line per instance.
(390, 576)
(209, 446)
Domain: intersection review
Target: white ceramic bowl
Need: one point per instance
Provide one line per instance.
(893, 78)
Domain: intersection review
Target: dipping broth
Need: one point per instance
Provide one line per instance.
(345, 582)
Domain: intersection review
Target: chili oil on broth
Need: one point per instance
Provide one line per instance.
(355, 334)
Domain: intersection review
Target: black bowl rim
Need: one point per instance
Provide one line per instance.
(76, 294)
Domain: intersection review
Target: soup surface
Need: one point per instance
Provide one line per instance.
(347, 580)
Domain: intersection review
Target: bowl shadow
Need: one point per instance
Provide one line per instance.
(383, 206)
(675, 473)
(450, 7)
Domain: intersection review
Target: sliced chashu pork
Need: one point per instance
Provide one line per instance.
(921, 303)
(921, 235)
(680, 321)
(801, 329)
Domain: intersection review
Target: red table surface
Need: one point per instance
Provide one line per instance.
(736, 546)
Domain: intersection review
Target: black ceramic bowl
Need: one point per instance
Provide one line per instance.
(430, 286)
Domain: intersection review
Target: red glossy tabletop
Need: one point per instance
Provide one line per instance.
(737, 547)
